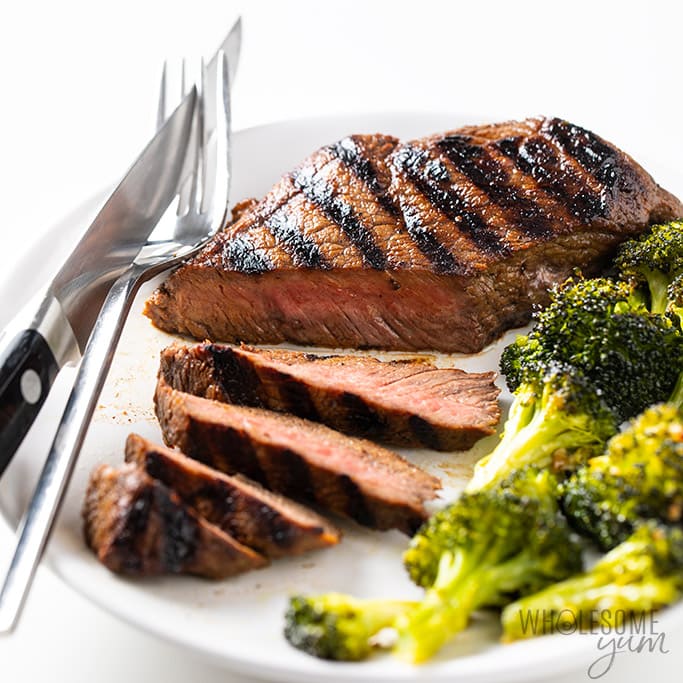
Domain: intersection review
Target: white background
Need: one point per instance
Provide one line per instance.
(78, 83)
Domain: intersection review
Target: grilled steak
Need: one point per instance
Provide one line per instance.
(265, 521)
(298, 458)
(409, 403)
(439, 243)
(138, 526)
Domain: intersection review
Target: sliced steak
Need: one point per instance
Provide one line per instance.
(138, 526)
(439, 243)
(271, 524)
(297, 458)
(408, 403)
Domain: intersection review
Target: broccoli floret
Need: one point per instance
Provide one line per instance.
(640, 476)
(337, 626)
(556, 418)
(652, 262)
(630, 355)
(642, 574)
(484, 550)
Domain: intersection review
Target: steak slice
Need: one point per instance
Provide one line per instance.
(408, 403)
(305, 460)
(438, 243)
(137, 526)
(271, 524)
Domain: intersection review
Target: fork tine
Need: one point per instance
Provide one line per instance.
(187, 194)
(184, 78)
(215, 151)
(205, 130)
(161, 108)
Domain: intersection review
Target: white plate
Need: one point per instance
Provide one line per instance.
(238, 622)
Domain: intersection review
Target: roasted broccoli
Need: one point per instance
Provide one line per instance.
(556, 418)
(640, 476)
(630, 355)
(337, 626)
(641, 574)
(484, 550)
(652, 262)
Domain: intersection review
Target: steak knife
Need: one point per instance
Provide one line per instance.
(53, 328)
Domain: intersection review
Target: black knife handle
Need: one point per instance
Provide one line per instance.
(27, 370)
(36, 344)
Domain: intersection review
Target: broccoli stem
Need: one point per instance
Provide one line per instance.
(677, 394)
(378, 614)
(526, 442)
(582, 600)
(444, 612)
(464, 583)
(658, 284)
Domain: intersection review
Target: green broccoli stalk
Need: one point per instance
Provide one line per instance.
(631, 356)
(676, 398)
(652, 262)
(642, 574)
(555, 415)
(640, 476)
(674, 294)
(675, 311)
(337, 626)
(483, 551)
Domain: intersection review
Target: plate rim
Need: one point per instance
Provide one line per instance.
(561, 660)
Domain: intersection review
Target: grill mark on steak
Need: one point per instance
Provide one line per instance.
(596, 157)
(285, 228)
(180, 542)
(350, 152)
(242, 457)
(356, 505)
(365, 420)
(425, 432)
(431, 178)
(296, 396)
(539, 159)
(428, 243)
(294, 479)
(237, 378)
(244, 257)
(319, 193)
(485, 172)
(133, 527)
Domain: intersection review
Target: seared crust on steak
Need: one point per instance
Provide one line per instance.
(137, 526)
(271, 524)
(298, 458)
(439, 243)
(407, 402)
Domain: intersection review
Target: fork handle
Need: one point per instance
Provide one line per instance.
(36, 344)
(40, 515)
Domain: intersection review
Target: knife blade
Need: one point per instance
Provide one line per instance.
(51, 330)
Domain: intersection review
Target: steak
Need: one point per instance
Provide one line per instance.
(138, 526)
(408, 403)
(438, 243)
(271, 524)
(298, 458)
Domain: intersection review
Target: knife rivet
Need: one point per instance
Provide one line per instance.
(31, 386)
